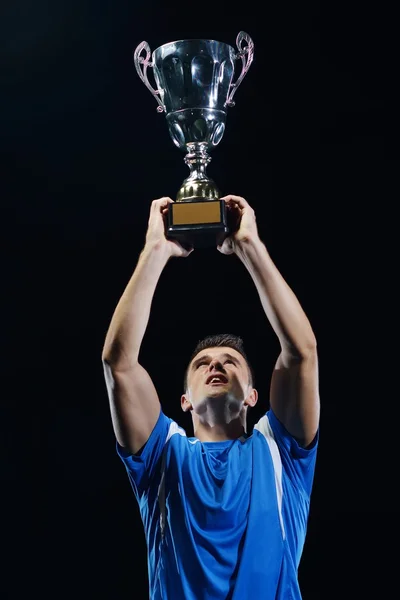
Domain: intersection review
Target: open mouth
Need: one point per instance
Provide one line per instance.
(217, 380)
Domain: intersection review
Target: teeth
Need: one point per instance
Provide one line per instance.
(215, 379)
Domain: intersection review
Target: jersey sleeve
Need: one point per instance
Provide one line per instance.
(298, 462)
(142, 468)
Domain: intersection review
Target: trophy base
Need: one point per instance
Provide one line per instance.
(200, 224)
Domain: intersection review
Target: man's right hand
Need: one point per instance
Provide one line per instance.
(155, 236)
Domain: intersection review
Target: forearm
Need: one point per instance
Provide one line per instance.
(280, 304)
(131, 316)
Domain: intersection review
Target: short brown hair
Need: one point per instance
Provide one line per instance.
(220, 340)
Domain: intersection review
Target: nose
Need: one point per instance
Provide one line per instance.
(217, 365)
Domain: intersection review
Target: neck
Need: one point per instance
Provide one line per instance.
(217, 432)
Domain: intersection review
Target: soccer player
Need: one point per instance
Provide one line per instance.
(224, 512)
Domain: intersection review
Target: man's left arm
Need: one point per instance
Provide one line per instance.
(294, 394)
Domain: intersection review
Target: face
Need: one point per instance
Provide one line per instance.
(217, 376)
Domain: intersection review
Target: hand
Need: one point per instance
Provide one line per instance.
(242, 219)
(155, 236)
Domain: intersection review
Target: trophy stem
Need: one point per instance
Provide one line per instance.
(198, 186)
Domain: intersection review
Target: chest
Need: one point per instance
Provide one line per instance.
(214, 489)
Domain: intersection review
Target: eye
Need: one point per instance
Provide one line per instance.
(229, 361)
(201, 363)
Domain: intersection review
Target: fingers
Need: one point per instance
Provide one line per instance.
(237, 200)
(160, 203)
(226, 247)
(163, 200)
(240, 204)
(159, 207)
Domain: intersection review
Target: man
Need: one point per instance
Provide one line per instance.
(224, 512)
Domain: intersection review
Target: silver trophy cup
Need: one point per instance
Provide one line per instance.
(195, 87)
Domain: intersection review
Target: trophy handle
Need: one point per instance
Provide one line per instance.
(145, 61)
(247, 55)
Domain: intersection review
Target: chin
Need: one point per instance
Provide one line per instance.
(219, 390)
(223, 394)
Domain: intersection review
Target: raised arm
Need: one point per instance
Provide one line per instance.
(134, 402)
(294, 395)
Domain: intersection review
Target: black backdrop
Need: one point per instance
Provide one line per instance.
(311, 144)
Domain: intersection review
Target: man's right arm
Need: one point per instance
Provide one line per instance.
(134, 403)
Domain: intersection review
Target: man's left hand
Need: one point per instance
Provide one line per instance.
(243, 220)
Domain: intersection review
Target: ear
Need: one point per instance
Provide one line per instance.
(185, 403)
(252, 398)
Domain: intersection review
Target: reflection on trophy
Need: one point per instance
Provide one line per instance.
(194, 89)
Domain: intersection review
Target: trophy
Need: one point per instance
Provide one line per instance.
(194, 89)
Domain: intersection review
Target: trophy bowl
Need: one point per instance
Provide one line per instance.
(194, 87)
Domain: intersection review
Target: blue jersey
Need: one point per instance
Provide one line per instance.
(223, 520)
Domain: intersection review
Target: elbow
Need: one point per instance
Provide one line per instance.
(106, 362)
(309, 350)
(112, 353)
(107, 356)
(306, 351)
(118, 361)
(310, 347)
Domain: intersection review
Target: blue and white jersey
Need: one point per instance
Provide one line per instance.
(223, 520)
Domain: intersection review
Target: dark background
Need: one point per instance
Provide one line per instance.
(312, 144)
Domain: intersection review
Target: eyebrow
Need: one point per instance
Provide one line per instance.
(208, 357)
